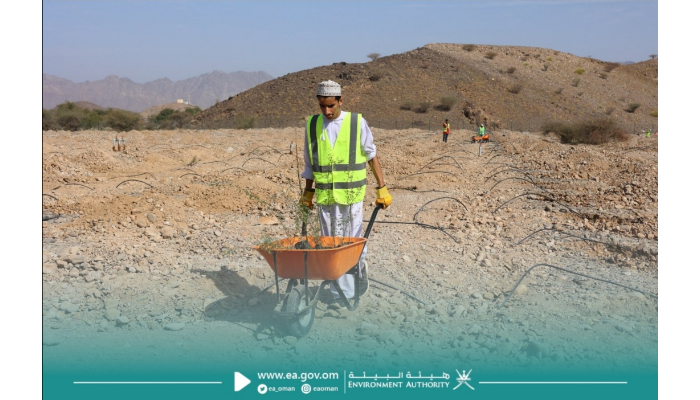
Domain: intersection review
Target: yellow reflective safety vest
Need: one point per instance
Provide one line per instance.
(340, 171)
(445, 128)
(482, 130)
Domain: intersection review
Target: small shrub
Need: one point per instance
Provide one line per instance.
(373, 56)
(579, 71)
(375, 77)
(469, 47)
(122, 120)
(422, 108)
(490, 55)
(244, 122)
(545, 67)
(193, 162)
(549, 58)
(587, 132)
(515, 89)
(406, 105)
(558, 91)
(446, 103)
(632, 107)
(579, 94)
(609, 67)
(511, 70)
(603, 75)
(576, 82)
(609, 110)
(524, 58)
(654, 114)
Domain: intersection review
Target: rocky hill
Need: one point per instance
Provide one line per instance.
(505, 86)
(115, 92)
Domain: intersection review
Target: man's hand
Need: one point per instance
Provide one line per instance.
(307, 199)
(383, 197)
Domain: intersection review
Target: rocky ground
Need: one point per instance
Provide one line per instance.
(152, 248)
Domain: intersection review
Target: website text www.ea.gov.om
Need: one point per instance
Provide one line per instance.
(303, 376)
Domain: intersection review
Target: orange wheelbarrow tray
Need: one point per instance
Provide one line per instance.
(336, 257)
(484, 138)
(333, 260)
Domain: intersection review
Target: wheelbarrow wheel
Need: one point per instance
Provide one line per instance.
(301, 325)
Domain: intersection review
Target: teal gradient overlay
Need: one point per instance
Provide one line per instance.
(215, 362)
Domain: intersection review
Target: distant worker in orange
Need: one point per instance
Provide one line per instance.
(445, 130)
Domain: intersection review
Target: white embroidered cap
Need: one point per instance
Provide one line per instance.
(328, 89)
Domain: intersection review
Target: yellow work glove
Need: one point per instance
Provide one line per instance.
(383, 197)
(307, 199)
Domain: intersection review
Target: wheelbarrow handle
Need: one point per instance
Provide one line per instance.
(371, 221)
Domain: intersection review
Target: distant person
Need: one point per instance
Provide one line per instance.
(482, 130)
(648, 132)
(445, 130)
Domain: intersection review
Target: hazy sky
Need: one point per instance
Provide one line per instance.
(147, 40)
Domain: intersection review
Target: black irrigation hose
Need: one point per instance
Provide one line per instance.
(134, 180)
(227, 169)
(211, 162)
(565, 233)
(257, 158)
(489, 160)
(536, 194)
(575, 273)
(131, 176)
(439, 198)
(48, 195)
(440, 158)
(189, 173)
(507, 168)
(414, 189)
(395, 288)
(428, 172)
(76, 184)
(186, 169)
(638, 148)
(419, 224)
(516, 178)
(50, 218)
(252, 151)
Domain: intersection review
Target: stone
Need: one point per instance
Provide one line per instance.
(142, 224)
(69, 307)
(49, 268)
(269, 220)
(290, 340)
(522, 288)
(123, 320)
(174, 326)
(151, 217)
(217, 232)
(168, 232)
(139, 210)
(112, 314)
(406, 258)
(75, 259)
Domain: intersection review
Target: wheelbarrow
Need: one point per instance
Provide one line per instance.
(325, 258)
(485, 138)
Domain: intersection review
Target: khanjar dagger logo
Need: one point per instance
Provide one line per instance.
(463, 378)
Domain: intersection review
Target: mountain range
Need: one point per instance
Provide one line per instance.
(115, 92)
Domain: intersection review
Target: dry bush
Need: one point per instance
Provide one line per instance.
(579, 71)
(603, 75)
(545, 67)
(608, 67)
(654, 114)
(576, 82)
(597, 131)
(511, 70)
(558, 91)
(406, 105)
(609, 110)
(469, 47)
(515, 89)
(422, 108)
(446, 103)
(490, 55)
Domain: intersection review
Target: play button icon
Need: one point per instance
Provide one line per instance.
(239, 381)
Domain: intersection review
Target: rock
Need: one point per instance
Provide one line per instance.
(406, 258)
(123, 320)
(69, 307)
(49, 268)
(489, 296)
(74, 272)
(142, 224)
(522, 288)
(254, 301)
(112, 314)
(168, 232)
(189, 203)
(174, 326)
(217, 233)
(151, 232)
(369, 329)
(75, 259)
(61, 264)
(151, 217)
(49, 339)
(139, 210)
(290, 340)
(269, 220)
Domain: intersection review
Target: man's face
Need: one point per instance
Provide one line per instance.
(330, 107)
